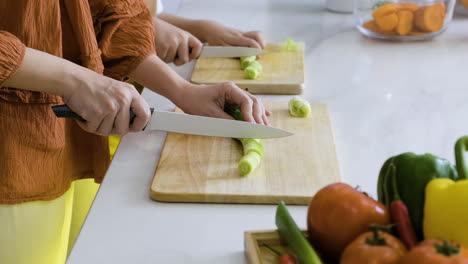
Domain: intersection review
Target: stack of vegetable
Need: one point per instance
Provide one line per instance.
(421, 216)
(252, 148)
(251, 66)
(407, 19)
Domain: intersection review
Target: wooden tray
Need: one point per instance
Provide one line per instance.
(258, 254)
(255, 253)
(283, 72)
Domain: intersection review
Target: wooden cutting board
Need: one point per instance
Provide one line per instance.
(283, 72)
(204, 169)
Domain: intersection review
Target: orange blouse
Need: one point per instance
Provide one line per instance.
(40, 155)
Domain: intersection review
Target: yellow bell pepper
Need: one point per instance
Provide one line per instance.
(446, 210)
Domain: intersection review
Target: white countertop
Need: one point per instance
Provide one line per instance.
(385, 98)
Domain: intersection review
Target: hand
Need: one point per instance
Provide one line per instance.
(216, 34)
(210, 100)
(105, 104)
(174, 44)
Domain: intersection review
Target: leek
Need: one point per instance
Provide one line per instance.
(246, 61)
(299, 107)
(253, 149)
(249, 163)
(253, 70)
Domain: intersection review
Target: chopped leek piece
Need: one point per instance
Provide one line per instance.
(291, 45)
(246, 61)
(251, 144)
(299, 107)
(253, 70)
(249, 163)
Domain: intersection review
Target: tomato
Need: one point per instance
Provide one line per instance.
(338, 213)
(434, 251)
(374, 247)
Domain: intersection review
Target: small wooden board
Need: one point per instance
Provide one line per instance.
(204, 169)
(283, 72)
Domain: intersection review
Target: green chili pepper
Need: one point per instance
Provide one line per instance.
(294, 238)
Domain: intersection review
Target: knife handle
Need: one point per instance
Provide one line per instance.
(66, 112)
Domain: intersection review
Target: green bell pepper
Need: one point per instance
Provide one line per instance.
(413, 172)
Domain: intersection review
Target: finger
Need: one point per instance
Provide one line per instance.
(122, 121)
(86, 126)
(237, 96)
(93, 121)
(142, 113)
(265, 120)
(258, 110)
(257, 36)
(196, 47)
(171, 54)
(182, 54)
(248, 42)
(107, 124)
(162, 54)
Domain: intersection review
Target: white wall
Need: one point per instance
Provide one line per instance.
(171, 6)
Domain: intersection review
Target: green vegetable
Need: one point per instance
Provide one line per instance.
(252, 144)
(249, 162)
(461, 158)
(294, 238)
(235, 112)
(246, 61)
(299, 107)
(253, 70)
(253, 148)
(413, 172)
(291, 45)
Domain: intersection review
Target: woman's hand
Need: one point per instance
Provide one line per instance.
(105, 104)
(216, 34)
(210, 100)
(174, 44)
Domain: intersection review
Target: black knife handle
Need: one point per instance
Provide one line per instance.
(66, 112)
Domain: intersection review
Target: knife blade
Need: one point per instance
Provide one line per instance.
(229, 52)
(194, 125)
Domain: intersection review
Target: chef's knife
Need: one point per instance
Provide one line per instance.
(195, 125)
(229, 52)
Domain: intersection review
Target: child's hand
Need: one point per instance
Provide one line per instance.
(209, 100)
(216, 34)
(174, 44)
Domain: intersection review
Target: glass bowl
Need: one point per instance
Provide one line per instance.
(403, 20)
(461, 7)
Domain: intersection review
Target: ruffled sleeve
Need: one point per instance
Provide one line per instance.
(125, 34)
(11, 55)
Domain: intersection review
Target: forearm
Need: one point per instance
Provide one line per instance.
(194, 26)
(43, 72)
(157, 76)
